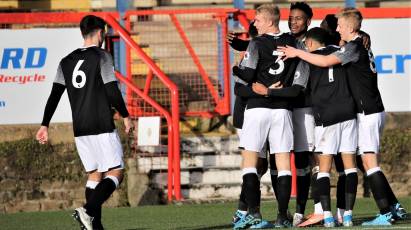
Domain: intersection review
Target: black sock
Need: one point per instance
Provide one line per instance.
(303, 188)
(251, 192)
(351, 182)
(284, 193)
(379, 190)
(314, 188)
(242, 204)
(101, 193)
(274, 180)
(341, 191)
(274, 175)
(323, 186)
(97, 218)
(303, 180)
(392, 199)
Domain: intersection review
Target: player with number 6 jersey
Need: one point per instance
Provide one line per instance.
(86, 72)
(88, 75)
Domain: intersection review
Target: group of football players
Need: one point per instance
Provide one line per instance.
(314, 92)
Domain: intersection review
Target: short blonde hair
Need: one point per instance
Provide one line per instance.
(353, 15)
(272, 11)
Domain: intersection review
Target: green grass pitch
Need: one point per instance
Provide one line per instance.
(185, 216)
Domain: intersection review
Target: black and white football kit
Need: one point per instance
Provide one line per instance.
(88, 75)
(267, 116)
(333, 106)
(336, 128)
(362, 77)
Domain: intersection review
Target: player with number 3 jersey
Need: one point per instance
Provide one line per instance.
(266, 117)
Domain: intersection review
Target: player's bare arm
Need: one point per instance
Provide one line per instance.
(263, 90)
(315, 59)
(260, 88)
(127, 124)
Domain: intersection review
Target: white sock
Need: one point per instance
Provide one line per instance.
(91, 184)
(328, 214)
(318, 209)
(242, 212)
(298, 214)
(114, 179)
(373, 170)
(348, 213)
(340, 213)
(245, 171)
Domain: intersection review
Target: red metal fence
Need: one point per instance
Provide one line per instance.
(177, 63)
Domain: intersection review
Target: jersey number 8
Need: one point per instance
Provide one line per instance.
(78, 73)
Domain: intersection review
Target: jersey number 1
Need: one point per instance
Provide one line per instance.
(78, 73)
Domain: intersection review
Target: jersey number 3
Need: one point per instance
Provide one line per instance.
(279, 64)
(78, 73)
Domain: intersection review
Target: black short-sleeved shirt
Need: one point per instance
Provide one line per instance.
(303, 99)
(362, 76)
(330, 94)
(263, 57)
(84, 73)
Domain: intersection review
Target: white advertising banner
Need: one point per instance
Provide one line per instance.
(391, 45)
(29, 60)
(28, 63)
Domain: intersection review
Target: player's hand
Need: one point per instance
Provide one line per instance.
(42, 135)
(260, 89)
(230, 36)
(288, 52)
(127, 124)
(277, 85)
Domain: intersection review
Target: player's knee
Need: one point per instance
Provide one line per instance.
(95, 176)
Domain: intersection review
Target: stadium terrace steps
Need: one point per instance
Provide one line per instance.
(193, 92)
(178, 65)
(160, 40)
(168, 50)
(210, 167)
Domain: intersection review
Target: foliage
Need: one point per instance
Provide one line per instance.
(26, 159)
(396, 147)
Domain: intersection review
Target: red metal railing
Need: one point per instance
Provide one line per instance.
(209, 85)
(172, 118)
(171, 111)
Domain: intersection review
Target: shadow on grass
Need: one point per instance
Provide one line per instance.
(225, 226)
(358, 221)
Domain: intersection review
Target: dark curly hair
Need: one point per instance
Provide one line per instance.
(304, 7)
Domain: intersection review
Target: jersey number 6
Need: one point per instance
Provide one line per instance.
(78, 73)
